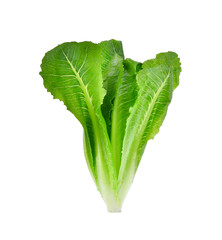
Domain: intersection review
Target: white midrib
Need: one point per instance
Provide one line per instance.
(134, 145)
(87, 96)
(98, 140)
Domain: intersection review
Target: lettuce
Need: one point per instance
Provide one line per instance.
(120, 103)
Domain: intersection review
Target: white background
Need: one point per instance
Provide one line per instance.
(46, 191)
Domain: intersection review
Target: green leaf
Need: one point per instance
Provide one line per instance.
(156, 82)
(158, 114)
(72, 73)
(109, 50)
(124, 100)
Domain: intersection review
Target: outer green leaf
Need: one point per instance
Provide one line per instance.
(156, 83)
(70, 73)
(171, 60)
